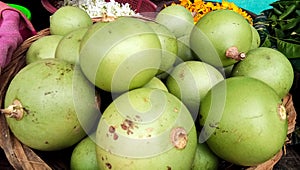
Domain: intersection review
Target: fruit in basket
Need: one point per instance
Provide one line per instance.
(177, 19)
(120, 55)
(221, 38)
(205, 159)
(69, 46)
(146, 128)
(50, 105)
(268, 65)
(42, 48)
(67, 19)
(84, 154)
(190, 81)
(168, 46)
(243, 120)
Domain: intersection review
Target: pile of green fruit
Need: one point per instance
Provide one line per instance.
(181, 95)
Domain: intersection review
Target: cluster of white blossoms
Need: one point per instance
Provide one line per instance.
(101, 8)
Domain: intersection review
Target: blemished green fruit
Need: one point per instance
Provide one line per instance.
(84, 154)
(177, 19)
(190, 81)
(146, 129)
(269, 66)
(67, 19)
(168, 46)
(44, 47)
(55, 105)
(205, 159)
(120, 55)
(244, 121)
(69, 46)
(221, 38)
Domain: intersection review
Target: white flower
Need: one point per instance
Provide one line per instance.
(100, 8)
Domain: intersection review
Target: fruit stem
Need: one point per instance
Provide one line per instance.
(179, 137)
(282, 112)
(14, 111)
(104, 18)
(233, 53)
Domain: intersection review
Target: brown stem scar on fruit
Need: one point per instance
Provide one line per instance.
(233, 53)
(179, 137)
(14, 111)
(104, 18)
(282, 112)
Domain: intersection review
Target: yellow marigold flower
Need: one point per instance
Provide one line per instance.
(199, 8)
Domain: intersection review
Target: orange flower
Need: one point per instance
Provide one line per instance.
(199, 8)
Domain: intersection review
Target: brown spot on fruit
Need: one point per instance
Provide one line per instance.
(115, 137)
(111, 129)
(108, 165)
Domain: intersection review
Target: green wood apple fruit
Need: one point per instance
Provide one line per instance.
(84, 154)
(243, 121)
(69, 46)
(269, 66)
(50, 105)
(120, 55)
(169, 46)
(44, 47)
(221, 38)
(177, 19)
(67, 19)
(146, 128)
(190, 81)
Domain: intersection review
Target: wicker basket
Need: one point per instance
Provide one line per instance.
(139, 6)
(22, 157)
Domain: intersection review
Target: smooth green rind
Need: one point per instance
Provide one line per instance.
(241, 121)
(214, 33)
(58, 102)
(120, 55)
(84, 155)
(269, 66)
(43, 48)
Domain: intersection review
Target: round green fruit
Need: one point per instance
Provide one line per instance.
(255, 38)
(44, 47)
(67, 19)
(168, 46)
(184, 51)
(221, 38)
(69, 46)
(146, 129)
(205, 159)
(177, 19)
(243, 120)
(269, 66)
(190, 81)
(84, 154)
(120, 55)
(50, 105)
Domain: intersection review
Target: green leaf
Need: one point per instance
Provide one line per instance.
(290, 50)
(291, 23)
(267, 42)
